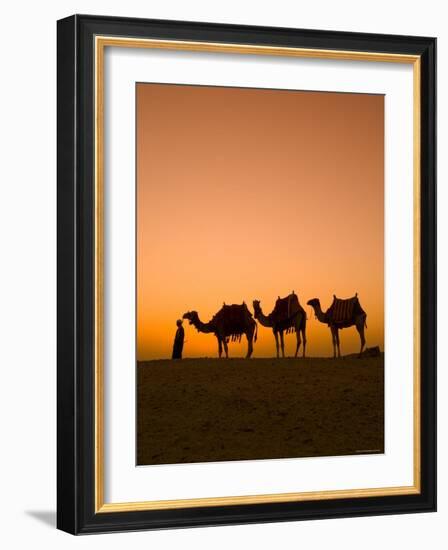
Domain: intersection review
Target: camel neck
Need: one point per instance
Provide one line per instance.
(262, 319)
(203, 327)
(319, 313)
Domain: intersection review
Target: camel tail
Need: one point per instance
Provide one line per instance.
(256, 331)
(365, 321)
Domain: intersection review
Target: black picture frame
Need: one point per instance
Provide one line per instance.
(76, 512)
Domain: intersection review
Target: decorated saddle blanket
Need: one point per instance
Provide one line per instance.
(233, 318)
(286, 308)
(233, 311)
(343, 311)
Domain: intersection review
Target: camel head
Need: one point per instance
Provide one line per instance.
(257, 308)
(318, 313)
(192, 316)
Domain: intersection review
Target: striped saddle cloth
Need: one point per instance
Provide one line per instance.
(342, 310)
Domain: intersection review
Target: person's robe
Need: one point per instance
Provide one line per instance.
(178, 343)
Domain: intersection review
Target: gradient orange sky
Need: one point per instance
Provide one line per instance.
(249, 194)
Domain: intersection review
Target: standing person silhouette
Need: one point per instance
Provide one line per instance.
(178, 340)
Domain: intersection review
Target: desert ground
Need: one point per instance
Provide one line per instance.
(207, 410)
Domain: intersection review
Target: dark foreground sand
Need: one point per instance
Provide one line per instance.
(202, 410)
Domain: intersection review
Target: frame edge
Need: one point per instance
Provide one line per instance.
(74, 515)
(67, 464)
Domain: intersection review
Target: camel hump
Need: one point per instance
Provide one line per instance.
(233, 319)
(233, 311)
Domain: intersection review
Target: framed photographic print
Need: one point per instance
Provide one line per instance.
(246, 274)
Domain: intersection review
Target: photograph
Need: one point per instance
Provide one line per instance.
(259, 273)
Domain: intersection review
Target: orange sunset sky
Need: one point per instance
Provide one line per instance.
(249, 194)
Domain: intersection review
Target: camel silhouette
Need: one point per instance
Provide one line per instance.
(288, 315)
(231, 321)
(341, 314)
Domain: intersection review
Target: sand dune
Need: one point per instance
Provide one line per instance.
(201, 410)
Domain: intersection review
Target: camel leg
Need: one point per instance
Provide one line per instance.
(360, 329)
(219, 347)
(333, 338)
(304, 341)
(226, 349)
(282, 343)
(276, 343)
(298, 342)
(338, 343)
(250, 347)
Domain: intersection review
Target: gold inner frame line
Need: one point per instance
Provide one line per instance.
(101, 42)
